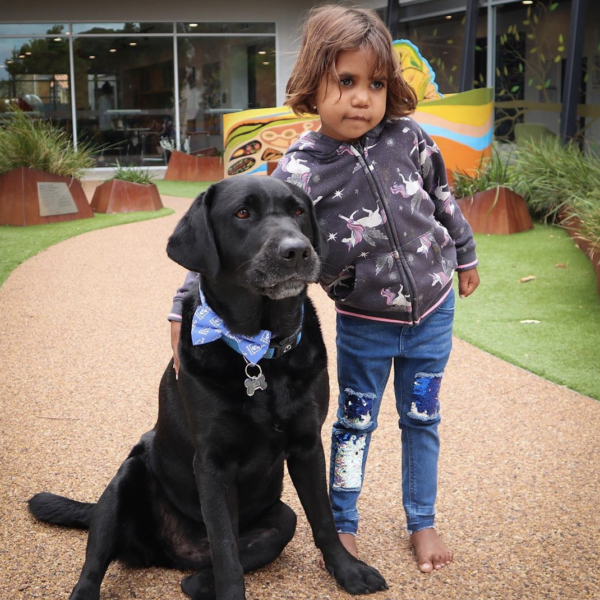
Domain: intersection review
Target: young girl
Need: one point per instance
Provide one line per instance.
(396, 237)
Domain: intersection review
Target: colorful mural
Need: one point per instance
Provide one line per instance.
(460, 124)
(417, 71)
(253, 138)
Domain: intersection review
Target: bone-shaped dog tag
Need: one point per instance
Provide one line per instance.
(254, 382)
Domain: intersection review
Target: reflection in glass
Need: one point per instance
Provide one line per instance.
(34, 77)
(218, 75)
(111, 28)
(440, 40)
(531, 50)
(197, 27)
(589, 125)
(125, 96)
(32, 28)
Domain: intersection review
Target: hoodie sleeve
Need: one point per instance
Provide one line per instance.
(447, 211)
(191, 279)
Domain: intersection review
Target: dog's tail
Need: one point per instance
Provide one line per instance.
(59, 510)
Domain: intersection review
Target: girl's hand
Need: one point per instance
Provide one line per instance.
(468, 281)
(175, 332)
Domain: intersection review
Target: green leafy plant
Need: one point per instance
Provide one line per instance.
(133, 174)
(559, 181)
(493, 172)
(588, 222)
(551, 174)
(31, 142)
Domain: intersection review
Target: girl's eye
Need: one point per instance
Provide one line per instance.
(298, 211)
(242, 214)
(346, 82)
(378, 85)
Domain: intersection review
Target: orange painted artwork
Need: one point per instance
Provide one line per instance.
(460, 124)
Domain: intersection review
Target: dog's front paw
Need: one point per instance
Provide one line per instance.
(84, 590)
(359, 578)
(201, 586)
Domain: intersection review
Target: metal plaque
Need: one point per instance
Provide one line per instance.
(55, 199)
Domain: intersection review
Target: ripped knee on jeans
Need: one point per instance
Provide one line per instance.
(349, 450)
(358, 409)
(425, 405)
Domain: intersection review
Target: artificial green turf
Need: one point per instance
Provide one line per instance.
(565, 346)
(17, 244)
(185, 189)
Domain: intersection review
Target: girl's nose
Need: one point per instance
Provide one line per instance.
(360, 98)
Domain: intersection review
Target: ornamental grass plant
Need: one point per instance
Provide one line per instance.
(560, 182)
(31, 142)
(493, 172)
(133, 174)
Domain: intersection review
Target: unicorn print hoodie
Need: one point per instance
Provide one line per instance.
(395, 234)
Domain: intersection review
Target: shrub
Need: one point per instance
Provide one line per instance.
(31, 142)
(492, 172)
(557, 178)
(133, 174)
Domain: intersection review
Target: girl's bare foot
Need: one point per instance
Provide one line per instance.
(349, 542)
(431, 552)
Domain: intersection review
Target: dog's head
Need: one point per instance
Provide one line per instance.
(256, 232)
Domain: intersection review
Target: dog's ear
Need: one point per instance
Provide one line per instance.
(192, 244)
(319, 241)
(319, 237)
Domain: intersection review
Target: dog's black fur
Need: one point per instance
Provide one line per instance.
(201, 491)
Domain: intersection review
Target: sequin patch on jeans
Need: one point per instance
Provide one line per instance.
(425, 402)
(357, 409)
(349, 452)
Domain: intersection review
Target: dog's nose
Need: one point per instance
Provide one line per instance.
(294, 250)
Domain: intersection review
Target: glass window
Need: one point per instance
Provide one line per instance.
(192, 27)
(32, 28)
(125, 96)
(531, 51)
(220, 75)
(589, 113)
(34, 75)
(440, 40)
(111, 28)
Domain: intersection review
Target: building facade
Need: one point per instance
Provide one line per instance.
(134, 79)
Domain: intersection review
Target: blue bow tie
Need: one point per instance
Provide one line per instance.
(207, 327)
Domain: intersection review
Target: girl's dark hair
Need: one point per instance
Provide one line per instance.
(331, 29)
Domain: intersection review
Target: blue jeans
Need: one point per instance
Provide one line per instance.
(366, 350)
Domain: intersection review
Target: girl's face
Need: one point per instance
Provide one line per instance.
(356, 102)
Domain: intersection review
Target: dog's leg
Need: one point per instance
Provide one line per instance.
(258, 546)
(106, 530)
(306, 465)
(219, 501)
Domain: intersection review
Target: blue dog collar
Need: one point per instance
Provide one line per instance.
(276, 349)
(207, 327)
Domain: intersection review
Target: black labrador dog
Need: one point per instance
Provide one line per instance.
(202, 490)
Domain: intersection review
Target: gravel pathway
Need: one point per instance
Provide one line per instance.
(84, 340)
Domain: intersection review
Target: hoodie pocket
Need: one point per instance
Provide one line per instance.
(425, 258)
(374, 285)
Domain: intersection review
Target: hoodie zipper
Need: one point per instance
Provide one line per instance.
(368, 170)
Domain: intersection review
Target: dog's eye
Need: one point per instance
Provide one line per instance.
(242, 214)
(298, 211)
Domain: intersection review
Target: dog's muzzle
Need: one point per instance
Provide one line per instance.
(284, 267)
